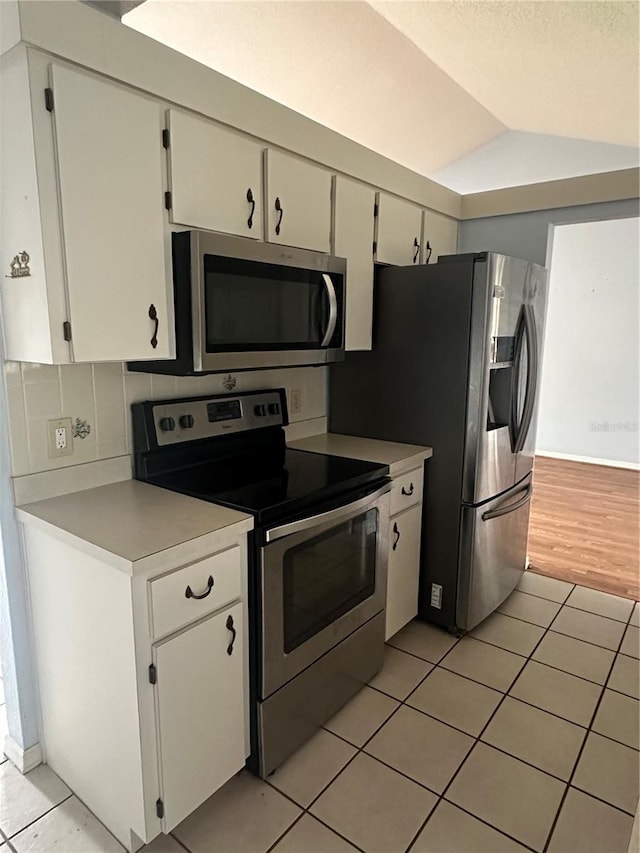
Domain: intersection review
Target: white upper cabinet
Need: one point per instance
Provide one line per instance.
(298, 202)
(215, 177)
(440, 235)
(353, 222)
(109, 166)
(398, 231)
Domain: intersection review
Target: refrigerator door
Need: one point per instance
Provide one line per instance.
(490, 455)
(527, 393)
(493, 550)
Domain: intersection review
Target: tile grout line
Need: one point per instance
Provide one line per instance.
(478, 740)
(44, 814)
(586, 738)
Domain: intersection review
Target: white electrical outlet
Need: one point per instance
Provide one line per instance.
(296, 401)
(60, 437)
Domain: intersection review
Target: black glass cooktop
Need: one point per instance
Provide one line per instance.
(273, 486)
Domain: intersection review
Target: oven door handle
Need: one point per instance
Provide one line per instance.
(323, 517)
(333, 310)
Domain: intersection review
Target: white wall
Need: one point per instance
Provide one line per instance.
(590, 379)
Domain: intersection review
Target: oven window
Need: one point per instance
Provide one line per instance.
(327, 576)
(260, 306)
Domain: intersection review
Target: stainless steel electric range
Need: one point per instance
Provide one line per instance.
(318, 553)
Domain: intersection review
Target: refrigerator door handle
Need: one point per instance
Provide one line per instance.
(532, 376)
(515, 383)
(505, 509)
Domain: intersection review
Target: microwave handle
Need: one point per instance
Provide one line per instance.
(343, 512)
(333, 310)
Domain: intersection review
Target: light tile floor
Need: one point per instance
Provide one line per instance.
(521, 736)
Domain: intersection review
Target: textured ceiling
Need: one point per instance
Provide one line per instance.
(430, 83)
(563, 68)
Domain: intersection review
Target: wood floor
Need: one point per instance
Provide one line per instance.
(585, 525)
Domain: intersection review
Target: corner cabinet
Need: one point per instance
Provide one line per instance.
(298, 202)
(143, 672)
(215, 177)
(84, 211)
(403, 573)
(398, 235)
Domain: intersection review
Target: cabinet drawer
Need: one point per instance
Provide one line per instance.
(406, 490)
(190, 593)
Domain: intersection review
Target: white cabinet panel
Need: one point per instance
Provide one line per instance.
(398, 231)
(110, 176)
(353, 225)
(299, 203)
(200, 711)
(404, 570)
(406, 490)
(440, 235)
(215, 177)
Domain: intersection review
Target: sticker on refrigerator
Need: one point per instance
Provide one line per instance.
(436, 595)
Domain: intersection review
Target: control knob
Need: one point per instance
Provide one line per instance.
(167, 424)
(274, 408)
(260, 411)
(186, 421)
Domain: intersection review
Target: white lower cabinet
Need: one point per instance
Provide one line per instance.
(403, 572)
(199, 711)
(144, 715)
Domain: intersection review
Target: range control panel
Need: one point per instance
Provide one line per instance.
(176, 421)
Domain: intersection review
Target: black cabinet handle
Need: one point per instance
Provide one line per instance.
(252, 202)
(153, 315)
(233, 634)
(407, 493)
(280, 210)
(429, 250)
(397, 533)
(416, 246)
(188, 593)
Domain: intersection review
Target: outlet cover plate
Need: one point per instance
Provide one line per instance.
(52, 426)
(296, 401)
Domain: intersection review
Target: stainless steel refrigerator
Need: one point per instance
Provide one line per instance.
(456, 365)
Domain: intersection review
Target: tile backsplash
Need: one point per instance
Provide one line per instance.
(99, 397)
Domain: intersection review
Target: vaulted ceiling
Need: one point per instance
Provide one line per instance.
(477, 94)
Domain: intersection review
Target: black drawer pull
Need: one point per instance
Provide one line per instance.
(416, 246)
(406, 493)
(396, 530)
(189, 593)
(153, 315)
(252, 202)
(233, 634)
(428, 254)
(280, 210)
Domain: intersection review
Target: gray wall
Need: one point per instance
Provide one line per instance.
(524, 235)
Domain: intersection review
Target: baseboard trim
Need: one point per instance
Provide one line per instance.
(23, 759)
(590, 460)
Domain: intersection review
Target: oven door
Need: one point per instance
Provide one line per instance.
(322, 578)
(261, 305)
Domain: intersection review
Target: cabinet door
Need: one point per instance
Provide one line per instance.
(398, 231)
(353, 239)
(299, 203)
(109, 156)
(200, 711)
(440, 236)
(404, 569)
(215, 177)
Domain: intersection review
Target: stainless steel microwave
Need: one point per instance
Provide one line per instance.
(243, 305)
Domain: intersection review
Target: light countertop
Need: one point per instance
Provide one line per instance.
(399, 457)
(130, 520)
